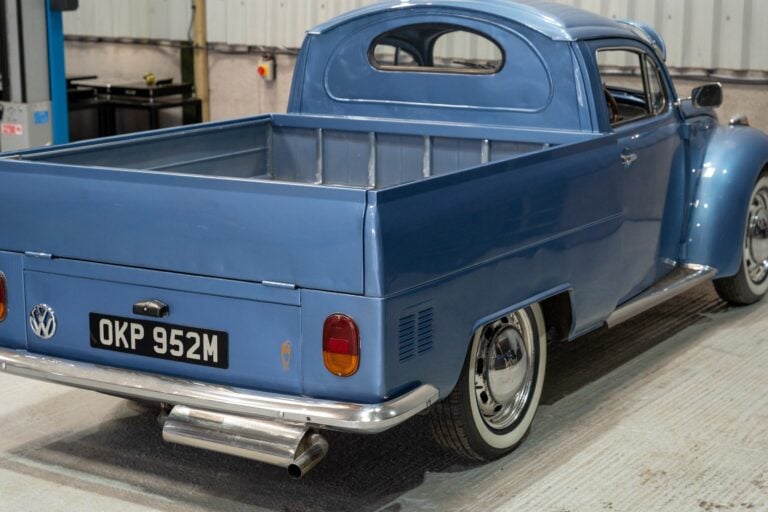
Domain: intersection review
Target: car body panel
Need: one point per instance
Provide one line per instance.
(259, 322)
(726, 172)
(224, 228)
(549, 97)
(653, 183)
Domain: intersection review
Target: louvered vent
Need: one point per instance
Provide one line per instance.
(415, 334)
(424, 334)
(407, 336)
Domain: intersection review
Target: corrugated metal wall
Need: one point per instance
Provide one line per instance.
(710, 34)
(145, 19)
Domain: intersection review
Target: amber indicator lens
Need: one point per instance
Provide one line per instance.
(341, 345)
(3, 298)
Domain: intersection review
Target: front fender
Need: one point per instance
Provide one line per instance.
(733, 161)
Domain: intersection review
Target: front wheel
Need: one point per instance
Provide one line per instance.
(751, 282)
(492, 407)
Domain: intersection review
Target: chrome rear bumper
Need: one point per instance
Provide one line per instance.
(348, 417)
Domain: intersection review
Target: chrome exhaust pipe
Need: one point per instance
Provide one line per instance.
(289, 445)
(316, 450)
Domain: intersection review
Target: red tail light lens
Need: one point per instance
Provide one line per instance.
(341, 345)
(3, 298)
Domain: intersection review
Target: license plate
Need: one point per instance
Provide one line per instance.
(163, 341)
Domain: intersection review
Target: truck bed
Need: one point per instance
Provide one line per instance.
(310, 150)
(277, 198)
(265, 219)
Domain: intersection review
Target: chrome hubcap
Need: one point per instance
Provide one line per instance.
(756, 244)
(504, 370)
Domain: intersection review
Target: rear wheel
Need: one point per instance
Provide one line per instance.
(492, 407)
(750, 284)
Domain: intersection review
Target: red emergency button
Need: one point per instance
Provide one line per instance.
(266, 69)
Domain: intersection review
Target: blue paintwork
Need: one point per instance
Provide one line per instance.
(652, 188)
(189, 224)
(57, 73)
(734, 158)
(539, 88)
(259, 328)
(193, 217)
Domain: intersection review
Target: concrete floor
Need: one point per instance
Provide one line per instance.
(668, 412)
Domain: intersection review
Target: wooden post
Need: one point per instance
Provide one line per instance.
(201, 57)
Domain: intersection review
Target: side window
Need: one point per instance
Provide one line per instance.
(436, 48)
(466, 50)
(631, 84)
(657, 98)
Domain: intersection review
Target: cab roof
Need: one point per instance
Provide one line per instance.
(556, 21)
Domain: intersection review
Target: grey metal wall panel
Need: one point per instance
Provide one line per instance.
(703, 34)
(709, 34)
(143, 19)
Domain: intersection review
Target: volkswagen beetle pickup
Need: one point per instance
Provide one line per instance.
(455, 184)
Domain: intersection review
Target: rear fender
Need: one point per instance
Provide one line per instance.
(563, 290)
(734, 159)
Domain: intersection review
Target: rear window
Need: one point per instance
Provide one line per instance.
(436, 48)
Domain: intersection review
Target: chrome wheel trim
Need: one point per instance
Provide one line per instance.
(504, 370)
(756, 239)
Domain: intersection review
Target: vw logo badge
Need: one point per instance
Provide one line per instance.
(42, 320)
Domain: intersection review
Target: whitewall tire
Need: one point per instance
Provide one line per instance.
(491, 410)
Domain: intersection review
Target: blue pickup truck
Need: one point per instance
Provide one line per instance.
(456, 184)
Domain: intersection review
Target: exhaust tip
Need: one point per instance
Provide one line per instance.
(295, 472)
(317, 448)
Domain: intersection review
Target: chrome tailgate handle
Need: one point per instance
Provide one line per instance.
(151, 308)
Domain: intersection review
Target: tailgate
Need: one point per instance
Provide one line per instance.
(303, 235)
(232, 333)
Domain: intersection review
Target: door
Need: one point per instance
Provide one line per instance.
(650, 159)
